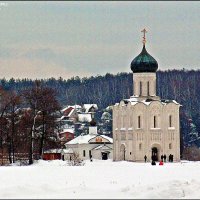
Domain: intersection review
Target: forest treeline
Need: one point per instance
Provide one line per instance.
(181, 85)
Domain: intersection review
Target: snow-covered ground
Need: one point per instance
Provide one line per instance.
(100, 180)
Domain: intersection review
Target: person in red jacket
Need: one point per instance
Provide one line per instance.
(161, 162)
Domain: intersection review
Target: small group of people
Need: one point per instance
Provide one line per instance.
(163, 158)
(153, 161)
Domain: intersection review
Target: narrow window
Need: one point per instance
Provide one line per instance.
(170, 121)
(154, 121)
(130, 153)
(139, 122)
(83, 153)
(170, 146)
(140, 146)
(140, 88)
(148, 88)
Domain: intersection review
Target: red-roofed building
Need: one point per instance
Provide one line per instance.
(70, 113)
(66, 135)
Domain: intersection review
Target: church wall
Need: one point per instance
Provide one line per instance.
(146, 137)
(139, 110)
(173, 133)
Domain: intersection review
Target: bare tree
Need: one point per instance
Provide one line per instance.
(13, 121)
(9, 103)
(44, 105)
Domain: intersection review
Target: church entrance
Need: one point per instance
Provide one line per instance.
(104, 156)
(154, 155)
(122, 151)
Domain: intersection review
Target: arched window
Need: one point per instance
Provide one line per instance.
(154, 121)
(139, 121)
(140, 146)
(148, 88)
(140, 88)
(170, 145)
(170, 121)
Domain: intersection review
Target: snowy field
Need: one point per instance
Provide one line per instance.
(101, 180)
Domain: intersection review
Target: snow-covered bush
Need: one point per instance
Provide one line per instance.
(75, 160)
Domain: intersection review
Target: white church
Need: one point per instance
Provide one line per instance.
(145, 124)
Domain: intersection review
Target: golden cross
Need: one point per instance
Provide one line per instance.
(144, 38)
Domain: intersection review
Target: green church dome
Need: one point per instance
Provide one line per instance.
(144, 62)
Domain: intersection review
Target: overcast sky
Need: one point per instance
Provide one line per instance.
(52, 39)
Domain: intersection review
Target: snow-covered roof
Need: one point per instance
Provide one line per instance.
(63, 117)
(102, 147)
(84, 139)
(69, 130)
(69, 150)
(135, 100)
(65, 108)
(73, 106)
(174, 101)
(133, 103)
(53, 151)
(70, 113)
(108, 138)
(88, 106)
(84, 117)
(108, 108)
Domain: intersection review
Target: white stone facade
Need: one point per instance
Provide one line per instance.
(84, 150)
(144, 84)
(144, 123)
(92, 144)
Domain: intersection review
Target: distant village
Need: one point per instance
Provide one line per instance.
(76, 133)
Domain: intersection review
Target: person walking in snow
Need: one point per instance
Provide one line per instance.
(170, 157)
(145, 158)
(153, 162)
(161, 162)
(164, 157)
(90, 158)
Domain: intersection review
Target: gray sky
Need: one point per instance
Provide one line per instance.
(52, 39)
